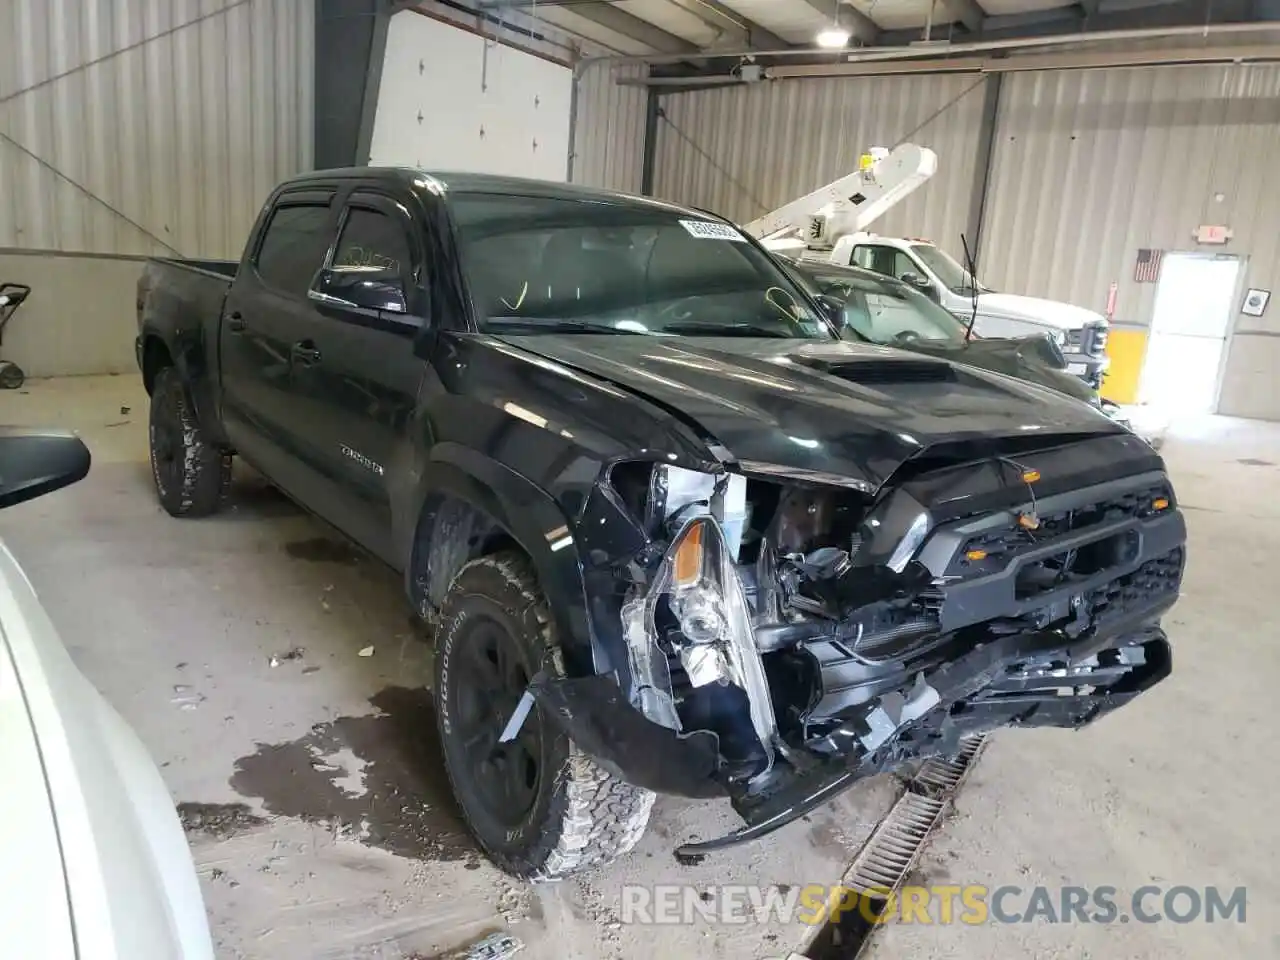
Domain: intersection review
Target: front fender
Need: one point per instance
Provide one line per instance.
(521, 510)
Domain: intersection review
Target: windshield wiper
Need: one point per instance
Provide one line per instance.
(554, 325)
(695, 328)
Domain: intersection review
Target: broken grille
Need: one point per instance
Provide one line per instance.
(992, 550)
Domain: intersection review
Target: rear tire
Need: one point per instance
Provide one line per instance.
(192, 475)
(11, 375)
(539, 808)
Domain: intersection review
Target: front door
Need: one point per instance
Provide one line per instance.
(358, 390)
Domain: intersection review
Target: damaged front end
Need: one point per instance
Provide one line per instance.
(786, 635)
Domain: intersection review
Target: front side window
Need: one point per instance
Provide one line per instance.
(373, 240)
(953, 276)
(888, 313)
(293, 246)
(536, 263)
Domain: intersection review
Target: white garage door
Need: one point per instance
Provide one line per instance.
(451, 100)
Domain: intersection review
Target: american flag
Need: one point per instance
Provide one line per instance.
(1147, 269)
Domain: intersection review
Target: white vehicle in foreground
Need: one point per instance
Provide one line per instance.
(830, 225)
(90, 843)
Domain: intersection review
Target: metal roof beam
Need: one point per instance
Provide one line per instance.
(1099, 15)
(720, 17)
(611, 18)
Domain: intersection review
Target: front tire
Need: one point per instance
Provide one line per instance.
(539, 808)
(192, 475)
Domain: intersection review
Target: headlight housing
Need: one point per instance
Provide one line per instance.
(698, 588)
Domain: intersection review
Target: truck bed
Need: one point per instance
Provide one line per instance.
(183, 294)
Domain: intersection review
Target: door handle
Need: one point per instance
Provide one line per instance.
(304, 353)
(235, 322)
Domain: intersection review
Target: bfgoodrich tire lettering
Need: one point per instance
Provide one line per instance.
(578, 815)
(191, 474)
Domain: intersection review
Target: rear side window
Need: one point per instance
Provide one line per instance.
(293, 247)
(373, 239)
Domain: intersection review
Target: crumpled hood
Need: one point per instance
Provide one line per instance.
(826, 407)
(1047, 313)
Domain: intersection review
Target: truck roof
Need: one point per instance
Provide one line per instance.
(412, 179)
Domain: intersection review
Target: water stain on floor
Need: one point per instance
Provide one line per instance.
(378, 779)
(323, 550)
(218, 820)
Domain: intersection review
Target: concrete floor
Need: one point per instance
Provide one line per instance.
(347, 846)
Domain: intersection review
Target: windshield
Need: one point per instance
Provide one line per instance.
(945, 268)
(885, 312)
(536, 264)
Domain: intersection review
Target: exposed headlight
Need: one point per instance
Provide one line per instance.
(697, 582)
(909, 544)
(1059, 337)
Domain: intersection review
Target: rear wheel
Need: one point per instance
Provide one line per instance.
(192, 475)
(11, 375)
(539, 808)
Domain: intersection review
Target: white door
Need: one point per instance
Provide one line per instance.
(1195, 301)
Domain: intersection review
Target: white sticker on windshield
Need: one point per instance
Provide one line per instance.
(710, 230)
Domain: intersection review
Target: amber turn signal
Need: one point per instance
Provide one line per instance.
(688, 559)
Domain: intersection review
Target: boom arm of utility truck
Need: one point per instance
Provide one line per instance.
(853, 202)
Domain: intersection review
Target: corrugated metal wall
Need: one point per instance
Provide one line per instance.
(775, 141)
(608, 128)
(1089, 166)
(189, 114)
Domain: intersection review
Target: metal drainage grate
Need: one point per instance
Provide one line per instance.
(890, 852)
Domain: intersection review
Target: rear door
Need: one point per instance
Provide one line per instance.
(359, 388)
(267, 312)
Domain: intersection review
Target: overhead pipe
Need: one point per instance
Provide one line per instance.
(943, 48)
(1079, 60)
(1083, 60)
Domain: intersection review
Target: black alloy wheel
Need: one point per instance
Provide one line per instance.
(491, 678)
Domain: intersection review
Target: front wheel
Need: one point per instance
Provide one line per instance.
(192, 474)
(539, 808)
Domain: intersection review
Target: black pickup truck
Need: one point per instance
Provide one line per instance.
(674, 534)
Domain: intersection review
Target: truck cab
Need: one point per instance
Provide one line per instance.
(672, 532)
(1081, 333)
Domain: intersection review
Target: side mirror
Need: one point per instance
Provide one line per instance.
(36, 462)
(12, 294)
(367, 288)
(922, 284)
(833, 307)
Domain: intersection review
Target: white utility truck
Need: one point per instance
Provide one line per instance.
(831, 224)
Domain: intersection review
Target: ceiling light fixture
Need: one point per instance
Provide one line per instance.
(832, 38)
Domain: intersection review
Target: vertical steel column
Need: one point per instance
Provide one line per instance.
(982, 162)
(351, 41)
(653, 110)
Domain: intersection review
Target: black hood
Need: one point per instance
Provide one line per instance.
(1027, 358)
(825, 407)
